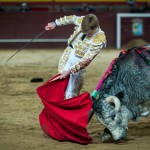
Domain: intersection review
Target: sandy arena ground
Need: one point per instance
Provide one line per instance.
(20, 105)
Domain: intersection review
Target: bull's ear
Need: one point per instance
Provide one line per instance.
(120, 95)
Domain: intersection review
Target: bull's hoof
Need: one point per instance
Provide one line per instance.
(106, 136)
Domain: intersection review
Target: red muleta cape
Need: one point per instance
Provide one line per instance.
(64, 120)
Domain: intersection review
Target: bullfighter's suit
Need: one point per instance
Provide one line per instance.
(77, 51)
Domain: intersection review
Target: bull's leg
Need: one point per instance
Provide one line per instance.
(106, 136)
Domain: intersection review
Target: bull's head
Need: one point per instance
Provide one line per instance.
(109, 113)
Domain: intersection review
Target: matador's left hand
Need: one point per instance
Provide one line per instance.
(64, 74)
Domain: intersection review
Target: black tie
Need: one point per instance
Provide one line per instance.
(83, 37)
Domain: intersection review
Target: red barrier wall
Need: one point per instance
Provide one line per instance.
(28, 25)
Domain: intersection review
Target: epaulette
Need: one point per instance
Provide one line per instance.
(99, 38)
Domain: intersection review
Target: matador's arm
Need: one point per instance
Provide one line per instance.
(73, 19)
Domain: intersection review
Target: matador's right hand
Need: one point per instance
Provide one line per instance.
(50, 26)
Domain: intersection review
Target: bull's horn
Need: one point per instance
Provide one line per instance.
(115, 100)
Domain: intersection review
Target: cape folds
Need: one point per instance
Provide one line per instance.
(64, 120)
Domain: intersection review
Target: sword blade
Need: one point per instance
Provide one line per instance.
(25, 45)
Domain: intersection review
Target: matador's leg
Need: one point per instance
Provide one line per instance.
(75, 84)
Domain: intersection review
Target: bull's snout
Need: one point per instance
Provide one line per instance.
(119, 134)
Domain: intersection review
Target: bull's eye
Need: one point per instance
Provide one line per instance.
(120, 95)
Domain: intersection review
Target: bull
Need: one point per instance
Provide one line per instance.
(124, 94)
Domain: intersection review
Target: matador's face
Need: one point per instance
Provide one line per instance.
(91, 32)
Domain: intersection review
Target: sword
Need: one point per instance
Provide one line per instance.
(25, 45)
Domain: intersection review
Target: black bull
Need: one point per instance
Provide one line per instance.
(125, 93)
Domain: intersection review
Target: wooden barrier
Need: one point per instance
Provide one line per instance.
(25, 26)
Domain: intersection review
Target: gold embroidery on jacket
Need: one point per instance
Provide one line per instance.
(63, 60)
(73, 36)
(68, 17)
(86, 49)
(79, 21)
(99, 38)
